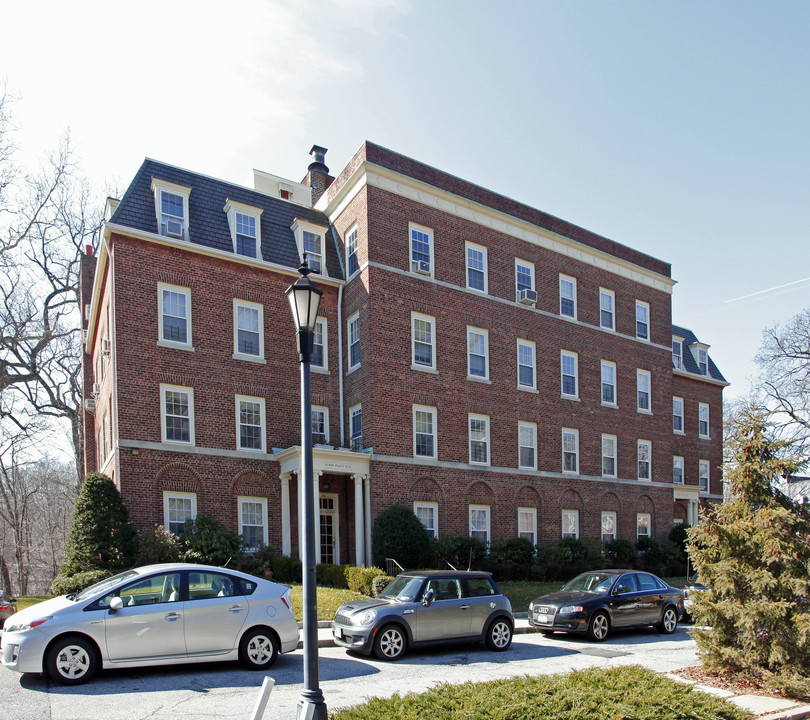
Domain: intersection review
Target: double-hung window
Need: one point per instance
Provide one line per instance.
(320, 425)
(570, 524)
(677, 354)
(177, 415)
(642, 320)
(677, 470)
(248, 331)
(677, 415)
(524, 281)
(175, 316)
(424, 431)
(527, 445)
(423, 341)
(609, 455)
(642, 525)
(703, 420)
(356, 427)
(608, 526)
(171, 206)
(476, 267)
(608, 383)
(245, 224)
(253, 521)
(607, 303)
(644, 460)
(569, 373)
(568, 296)
(421, 243)
(353, 324)
(703, 475)
(570, 450)
(479, 439)
(250, 423)
(177, 508)
(318, 358)
(643, 390)
(313, 248)
(352, 262)
(428, 515)
(477, 353)
(703, 361)
(527, 524)
(479, 522)
(526, 365)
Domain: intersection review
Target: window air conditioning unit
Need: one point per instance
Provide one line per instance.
(174, 228)
(422, 267)
(527, 297)
(90, 404)
(96, 388)
(105, 346)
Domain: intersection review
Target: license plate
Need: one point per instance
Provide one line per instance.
(339, 634)
(542, 618)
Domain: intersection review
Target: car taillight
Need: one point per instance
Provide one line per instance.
(5, 607)
(286, 602)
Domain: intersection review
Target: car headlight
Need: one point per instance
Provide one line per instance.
(568, 609)
(366, 618)
(25, 627)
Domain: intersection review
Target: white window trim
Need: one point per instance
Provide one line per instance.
(485, 508)
(432, 320)
(172, 494)
(679, 341)
(575, 356)
(612, 294)
(325, 335)
(231, 208)
(352, 229)
(675, 459)
(573, 281)
(433, 413)
(480, 248)
(682, 431)
(432, 506)
(475, 416)
(701, 465)
(607, 436)
(533, 427)
(298, 226)
(608, 363)
(533, 347)
(639, 516)
(177, 388)
(354, 409)
(533, 513)
(608, 513)
(242, 356)
(263, 502)
(646, 306)
(530, 266)
(325, 411)
(575, 514)
(263, 420)
(639, 444)
(180, 290)
(575, 433)
(429, 233)
(158, 187)
(639, 375)
(701, 435)
(354, 317)
(485, 333)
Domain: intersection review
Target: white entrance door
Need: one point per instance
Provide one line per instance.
(330, 538)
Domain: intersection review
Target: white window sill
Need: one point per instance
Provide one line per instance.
(704, 437)
(175, 345)
(609, 477)
(479, 464)
(475, 378)
(352, 369)
(525, 388)
(250, 358)
(614, 406)
(526, 467)
(251, 450)
(181, 443)
(320, 370)
(644, 480)
(573, 398)
(425, 368)
(641, 411)
(678, 432)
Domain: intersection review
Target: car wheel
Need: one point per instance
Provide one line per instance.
(71, 660)
(599, 626)
(258, 649)
(390, 643)
(499, 635)
(669, 620)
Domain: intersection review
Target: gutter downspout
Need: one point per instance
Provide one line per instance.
(113, 366)
(340, 365)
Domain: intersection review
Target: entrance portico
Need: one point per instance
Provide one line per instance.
(689, 495)
(327, 461)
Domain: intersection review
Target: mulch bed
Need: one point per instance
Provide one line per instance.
(739, 686)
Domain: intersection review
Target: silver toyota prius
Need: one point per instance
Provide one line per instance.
(153, 615)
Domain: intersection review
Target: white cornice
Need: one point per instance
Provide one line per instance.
(700, 378)
(404, 186)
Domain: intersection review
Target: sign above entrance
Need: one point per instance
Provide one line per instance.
(326, 460)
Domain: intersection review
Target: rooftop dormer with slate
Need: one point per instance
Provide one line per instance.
(690, 357)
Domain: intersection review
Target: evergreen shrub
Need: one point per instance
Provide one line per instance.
(398, 534)
(286, 569)
(379, 583)
(63, 585)
(156, 545)
(360, 579)
(206, 541)
(460, 551)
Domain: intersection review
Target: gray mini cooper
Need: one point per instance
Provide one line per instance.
(426, 608)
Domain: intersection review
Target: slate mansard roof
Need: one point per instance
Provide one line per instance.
(208, 222)
(689, 362)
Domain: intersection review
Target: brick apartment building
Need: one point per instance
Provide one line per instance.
(500, 370)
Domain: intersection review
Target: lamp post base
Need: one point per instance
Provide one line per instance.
(312, 706)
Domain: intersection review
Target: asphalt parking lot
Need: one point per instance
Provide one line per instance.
(225, 690)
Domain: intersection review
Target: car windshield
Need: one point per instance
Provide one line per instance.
(100, 587)
(595, 582)
(402, 588)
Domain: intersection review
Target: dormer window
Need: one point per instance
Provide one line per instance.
(310, 240)
(171, 208)
(245, 224)
(701, 354)
(677, 354)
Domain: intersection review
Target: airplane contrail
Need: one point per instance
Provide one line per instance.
(762, 292)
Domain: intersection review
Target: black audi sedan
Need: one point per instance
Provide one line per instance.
(596, 602)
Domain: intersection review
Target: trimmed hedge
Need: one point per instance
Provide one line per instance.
(76, 583)
(360, 579)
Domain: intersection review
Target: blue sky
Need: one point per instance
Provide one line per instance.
(681, 129)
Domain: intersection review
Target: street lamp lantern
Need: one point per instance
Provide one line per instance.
(305, 299)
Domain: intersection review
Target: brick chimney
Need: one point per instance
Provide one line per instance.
(318, 177)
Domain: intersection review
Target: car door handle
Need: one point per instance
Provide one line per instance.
(407, 612)
(465, 607)
(235, 608)
(172, 616)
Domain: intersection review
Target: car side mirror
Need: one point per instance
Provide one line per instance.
(429, 595)
(116, 604)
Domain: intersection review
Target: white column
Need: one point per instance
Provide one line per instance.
(316, 482)
(299, 475)
(359, 532)
(367, 484)
(286, 536)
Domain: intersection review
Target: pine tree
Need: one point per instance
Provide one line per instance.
(753, 555)
(100, 536)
